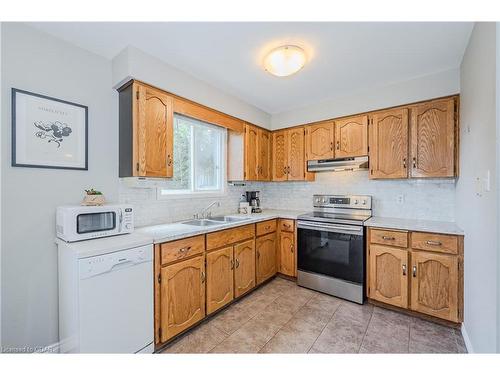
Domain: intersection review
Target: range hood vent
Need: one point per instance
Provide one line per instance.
(337, 165)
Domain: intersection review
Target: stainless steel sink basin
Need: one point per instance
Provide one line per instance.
(202, 222)
(228, 219)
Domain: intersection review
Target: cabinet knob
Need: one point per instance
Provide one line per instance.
(291, 247)
(404, 269)
(338, 145)
(404, 163)
(203, 277)
(237, 263)
(414, 271)
(414, 162)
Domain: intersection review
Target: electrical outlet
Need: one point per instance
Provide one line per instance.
(400, 199)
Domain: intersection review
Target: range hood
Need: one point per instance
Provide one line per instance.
(337, 165)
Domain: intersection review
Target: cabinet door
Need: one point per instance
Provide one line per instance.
(287, 253)
(244, 268)
(388, 275)
(264, 162)
(153, 133)
(251, 152)
(182, 296)
(296, 162)
(220, 265)
(433, 139)
(351, 137)
(434, 284)
(319, 141)
(266, 257)
(389, 144)
(280, 155)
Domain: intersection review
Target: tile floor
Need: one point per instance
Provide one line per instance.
(281, 317)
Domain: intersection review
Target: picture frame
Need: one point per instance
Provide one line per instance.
(48, 132)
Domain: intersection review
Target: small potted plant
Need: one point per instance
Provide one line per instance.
(93, 198)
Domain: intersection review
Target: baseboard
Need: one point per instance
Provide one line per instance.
(52, 348)
(467, 342)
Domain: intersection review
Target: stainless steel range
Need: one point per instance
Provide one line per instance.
(331, 245)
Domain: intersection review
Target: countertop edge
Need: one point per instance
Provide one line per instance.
(441, 227)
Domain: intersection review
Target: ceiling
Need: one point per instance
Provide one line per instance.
(343, 57)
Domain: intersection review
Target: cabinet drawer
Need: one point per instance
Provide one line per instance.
(180, 249)
(287, 225)
(389, 237)
(441, 243)
(230, 236)
(266, 227)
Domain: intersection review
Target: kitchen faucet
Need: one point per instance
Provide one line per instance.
(204, 214)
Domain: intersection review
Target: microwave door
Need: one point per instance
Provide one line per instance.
(95, 222)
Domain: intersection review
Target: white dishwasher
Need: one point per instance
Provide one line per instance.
(106, 295)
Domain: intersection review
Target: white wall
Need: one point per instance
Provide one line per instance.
(476, 208)
(420, 88)
(40, 63)
(0, 187)
(498, 174)
(132, 62)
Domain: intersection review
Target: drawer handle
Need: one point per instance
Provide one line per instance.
(237, 263)
(286, 225)
(387, 238)
(434, 243)
(404, 269)
(414, 271)
(184, 249)
(268, 227)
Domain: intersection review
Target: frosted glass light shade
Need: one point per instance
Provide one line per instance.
(285, 60)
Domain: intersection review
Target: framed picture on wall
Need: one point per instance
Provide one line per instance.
(48, 132)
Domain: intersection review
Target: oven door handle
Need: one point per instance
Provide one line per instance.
(330, 228)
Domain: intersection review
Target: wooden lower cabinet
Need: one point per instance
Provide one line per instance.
(244, 267)
(434, 284)
(265, 248)
(388, 268)
(182, 296)
(287, 253)
(220, 265)
(428, 282)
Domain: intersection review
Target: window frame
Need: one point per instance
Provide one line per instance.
(163, 193)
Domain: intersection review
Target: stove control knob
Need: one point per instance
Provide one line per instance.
(363, 202)
(356, 201)
(324, 200)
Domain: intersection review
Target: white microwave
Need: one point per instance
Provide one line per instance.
(77, 223)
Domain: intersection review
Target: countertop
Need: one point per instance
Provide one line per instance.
(174, 231)
(446, 227)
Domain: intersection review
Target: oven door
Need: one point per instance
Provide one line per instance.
(335, 250)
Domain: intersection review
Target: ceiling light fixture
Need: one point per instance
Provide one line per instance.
(285, 60)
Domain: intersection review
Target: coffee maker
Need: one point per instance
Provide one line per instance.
(254, 201)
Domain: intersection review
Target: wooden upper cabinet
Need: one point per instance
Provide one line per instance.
(280, 155)
(182, 294)
(433, 139)
(351, 137)
(434, 285)
(319, 141)
(287, 253)
(251, 152)
(388, 280)
(265, 248)
(264, 157)
(220, 265)
(244, 267)
(389, 144)
(296, 161)
(146, 131)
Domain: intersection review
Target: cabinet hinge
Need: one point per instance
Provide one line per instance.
(137, 167)
(159, 278)
(137, 94)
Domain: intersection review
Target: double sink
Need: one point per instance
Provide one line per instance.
(216, 220)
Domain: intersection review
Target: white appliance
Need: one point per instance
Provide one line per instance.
(77, 223)
(106, 295)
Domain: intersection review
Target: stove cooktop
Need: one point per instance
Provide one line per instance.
(342, 218)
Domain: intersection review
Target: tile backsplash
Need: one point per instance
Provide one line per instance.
(414, 199)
